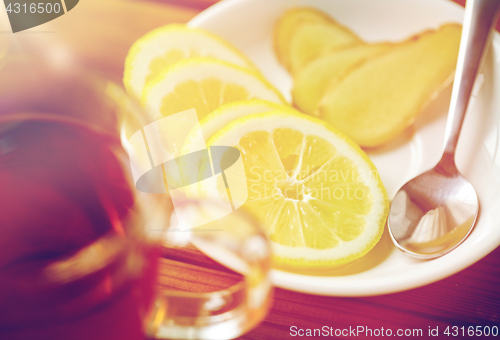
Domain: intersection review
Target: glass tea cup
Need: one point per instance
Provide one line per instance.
(81, 246)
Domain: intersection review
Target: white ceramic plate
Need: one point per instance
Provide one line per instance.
(248, 24)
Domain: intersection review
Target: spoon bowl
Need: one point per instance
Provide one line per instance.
(434, 212)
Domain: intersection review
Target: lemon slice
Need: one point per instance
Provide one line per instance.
(316, 193)
(227, 113)
(170, 44)
(204, 84)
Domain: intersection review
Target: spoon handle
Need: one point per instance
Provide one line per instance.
(480, 16)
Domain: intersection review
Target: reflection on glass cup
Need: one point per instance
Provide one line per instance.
(79, 245)
(236, 291)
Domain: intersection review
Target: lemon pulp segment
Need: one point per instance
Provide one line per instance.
(317, 195)
(204, 84)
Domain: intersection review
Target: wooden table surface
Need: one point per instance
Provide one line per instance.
(100, 32)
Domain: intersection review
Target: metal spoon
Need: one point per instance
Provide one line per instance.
(435, 212)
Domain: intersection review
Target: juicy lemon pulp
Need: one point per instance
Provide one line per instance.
(317, 200)
(204, 84)
(317, 195)
(170, 58)
(205, 96)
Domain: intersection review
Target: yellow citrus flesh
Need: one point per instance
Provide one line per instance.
(167, 45)
(228, 113)
(204, 84)
(316, 193)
